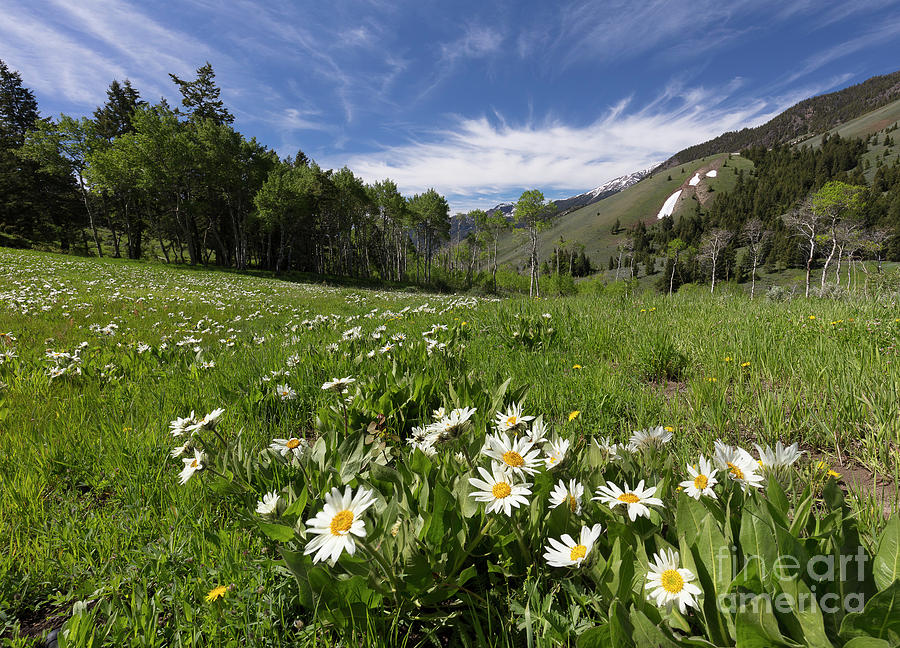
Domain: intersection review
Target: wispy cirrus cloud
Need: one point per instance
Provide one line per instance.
(479, 160)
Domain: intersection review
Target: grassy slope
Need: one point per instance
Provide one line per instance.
(864, 125)
(592, 225)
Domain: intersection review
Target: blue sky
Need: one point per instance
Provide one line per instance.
(479, 100)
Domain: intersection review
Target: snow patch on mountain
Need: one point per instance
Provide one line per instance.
(669, 206)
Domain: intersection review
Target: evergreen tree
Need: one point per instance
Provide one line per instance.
(114, 118)
(200, 97)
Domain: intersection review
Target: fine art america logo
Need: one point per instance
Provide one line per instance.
(825, 571)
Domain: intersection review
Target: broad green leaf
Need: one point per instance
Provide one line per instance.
(757, 539)
(880, 617)
(280, 532)
(867, 642)
(806, 612)
(647, 634)
(886, 566)
(299, 566)
(757, 627)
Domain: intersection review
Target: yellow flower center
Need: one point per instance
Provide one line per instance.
(578, 551)
(701, 482)
(573, 503)
(194, 463)
(512, 420)
(341, 523)
(737, 472)
(629, 498)
(292, 443)
(672, 581)
(514, 459)
(501, 490)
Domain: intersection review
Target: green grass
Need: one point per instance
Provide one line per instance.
(90, 505)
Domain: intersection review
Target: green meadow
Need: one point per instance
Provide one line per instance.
(105, 545)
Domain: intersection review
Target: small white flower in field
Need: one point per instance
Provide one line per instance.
(398, 337)
(649, 438)
(292, 446)
(331, 348)
(336, 524)
(453, 425)
(340, 385)
(546, 316)
(556, 452)
(192, 465)
(702, 480)
(56, 372)
(180, 450)
(739, 464)
(670, 584)
(570, 495)
(635, 500)
(142, 347)
(208, 421)
(538, 432)
(285, 392)
(781, 456)
(268, 504)
(499, 490)
(180, 426)
(352, 334)
(387, 348)
(460, 457)
(512, 419)
(608, 448)
(565, 552)
(517, 455)
(293, 360)
(438, 414)
(207, 365)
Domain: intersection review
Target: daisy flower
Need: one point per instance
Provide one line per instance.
(565, 552)
(499, 489)
(781, 456)
(517, 455)
(208, 421)
(570, 496)
(649, 438)
(180, 425)
(635, 500)
(339, 385)
(538, 432)
(739, 464)
(556, 452)
(285, 392)
(701, 481)
(670, 584)
(192, 465)
(336, 524)
(268, 504)
(292, 446)
(512, 418)
(607, 447)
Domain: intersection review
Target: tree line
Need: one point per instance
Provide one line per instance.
(182, 181)
(798, 208)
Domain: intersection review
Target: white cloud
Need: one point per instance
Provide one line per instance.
(477, 160)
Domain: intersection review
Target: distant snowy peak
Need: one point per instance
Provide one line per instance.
(618, 184)
(605, 190)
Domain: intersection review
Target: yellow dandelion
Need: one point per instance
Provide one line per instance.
(832, 473)
(574, 415)
(669, 429)
(216, 593)
(727, 358)
(812, 317)
(577, 366)
(745, 364)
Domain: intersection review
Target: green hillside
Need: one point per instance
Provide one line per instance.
(592, 225)
(864, 125)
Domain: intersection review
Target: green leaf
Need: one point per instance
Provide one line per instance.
(757, 627)
(647, 634)
(299, 566)
(620, 629)
(806, 611)
(757, 539)
(867, 642)
(596, 637)
(801, 513)
(880, 618)
(279, 532)
(887, 559)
